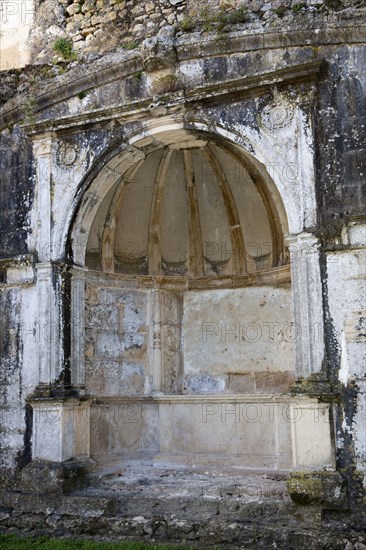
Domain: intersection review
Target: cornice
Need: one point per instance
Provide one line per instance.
(264, 39)
(120, 65)
(229, 90)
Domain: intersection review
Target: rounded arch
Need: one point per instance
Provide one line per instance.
(122, 158)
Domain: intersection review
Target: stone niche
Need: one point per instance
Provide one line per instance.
(189, 328)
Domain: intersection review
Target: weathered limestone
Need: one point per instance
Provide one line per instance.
(60, 429)
(214, 431)
(346, 290)
(85, 23)
(246, 332)
(311, 432)
(78, 328)
(325, 488)
(165, 318)
(305, 267)
(182, 279)
(16, 21)
(158, 52)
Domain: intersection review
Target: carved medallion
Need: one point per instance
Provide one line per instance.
(67, 154)
(277, 114)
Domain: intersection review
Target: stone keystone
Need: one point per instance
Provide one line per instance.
(158, 52)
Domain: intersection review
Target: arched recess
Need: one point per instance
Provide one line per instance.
(168, 315)
(92, 191)
(204, 192)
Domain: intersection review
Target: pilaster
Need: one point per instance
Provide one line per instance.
(77, 327)
(307, 303)
(42, 148)
(49, 311)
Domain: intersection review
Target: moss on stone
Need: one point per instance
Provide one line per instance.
(165, 84)
(323, 488)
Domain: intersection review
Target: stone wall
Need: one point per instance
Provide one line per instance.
(346, 289)
(116, 340)
(12, 400)
(342, 190)
(238, 341)
(126, 22)
(16, 20)
(185, 431)
(15, 166)
(223, 80)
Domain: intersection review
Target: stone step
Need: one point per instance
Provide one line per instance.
(193, 507)
(188, 493)
(210, 483)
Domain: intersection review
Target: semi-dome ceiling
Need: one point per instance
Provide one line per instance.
(189, 209)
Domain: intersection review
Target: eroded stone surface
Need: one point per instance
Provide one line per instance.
(286, 93)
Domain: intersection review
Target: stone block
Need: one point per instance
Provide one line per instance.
(43, 477)
(218, 431)
(205, 383)
(241, 383)
(78, 18)
(149, 7)
(158, 52)
(327, 489)
(312, 445)
(269, 382)
(357, 234)
(113, 378)
(60, 429)
(256, 5)
(96, 19)
(234, 339)
(102, 317)
(111, 16)
(123, 427)
(110, 344)
(87, 31)
(73, 9)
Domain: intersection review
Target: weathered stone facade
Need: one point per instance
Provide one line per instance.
(182, 273)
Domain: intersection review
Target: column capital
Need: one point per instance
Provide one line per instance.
(302, 240)
(42, 144)
(78, 271)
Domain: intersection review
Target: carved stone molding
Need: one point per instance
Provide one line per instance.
(165, 329)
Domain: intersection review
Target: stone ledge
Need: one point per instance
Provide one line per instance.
(252, 40)
(300, 400)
